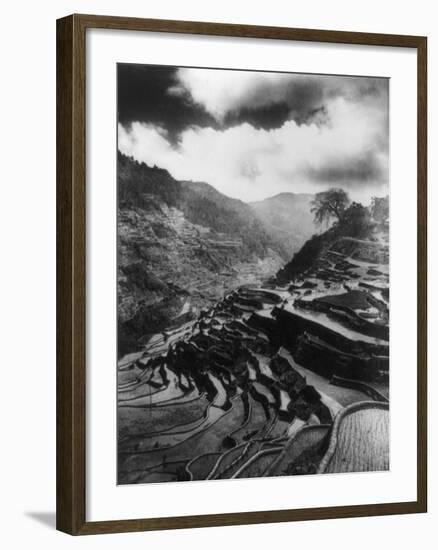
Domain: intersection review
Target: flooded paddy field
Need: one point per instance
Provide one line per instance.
(255, 385)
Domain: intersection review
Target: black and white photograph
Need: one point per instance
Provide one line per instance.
(217, 255)
(252, 274)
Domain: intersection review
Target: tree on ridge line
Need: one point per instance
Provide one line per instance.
(329, 204)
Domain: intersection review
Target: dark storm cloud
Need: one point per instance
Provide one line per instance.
(351, 172)
(143, 96)
(301, 101)
(275, 115)
(159, 95)
(269, 117)
(253, 134)
(304, 98)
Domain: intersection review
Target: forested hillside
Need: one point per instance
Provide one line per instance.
(181, 246)
(287, 218)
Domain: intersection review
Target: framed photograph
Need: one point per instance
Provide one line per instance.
(241, 274)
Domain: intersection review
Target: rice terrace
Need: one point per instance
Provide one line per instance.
(253, 275)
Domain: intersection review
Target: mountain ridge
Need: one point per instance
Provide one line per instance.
(287, 218)
(183, 244)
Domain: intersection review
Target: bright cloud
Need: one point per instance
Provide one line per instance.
(251, 164)
(222, 92)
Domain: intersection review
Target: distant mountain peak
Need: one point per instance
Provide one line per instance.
(285, 195)
(281, 223)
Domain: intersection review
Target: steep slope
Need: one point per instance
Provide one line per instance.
(200, 203)
(181, 245)
(254, 382)
(287, 218)
(357, 236)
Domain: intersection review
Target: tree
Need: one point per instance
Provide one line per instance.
(356, 221)
(329, 204)
(380, 209)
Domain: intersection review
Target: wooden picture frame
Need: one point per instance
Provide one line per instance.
(71, 272)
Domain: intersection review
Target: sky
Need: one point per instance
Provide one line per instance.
(252, 134)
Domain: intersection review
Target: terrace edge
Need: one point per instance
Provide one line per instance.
(71, 255)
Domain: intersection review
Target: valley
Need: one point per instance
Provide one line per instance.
(182, 246)
(274, 378)
(253, 274)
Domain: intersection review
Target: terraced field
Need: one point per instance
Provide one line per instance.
(359, 440)
(268, 381)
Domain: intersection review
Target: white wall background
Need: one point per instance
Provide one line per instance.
(27, 299)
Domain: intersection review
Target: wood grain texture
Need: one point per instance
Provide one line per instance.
(422, 275)
(71, 230)
(247, 31)
(71, 266)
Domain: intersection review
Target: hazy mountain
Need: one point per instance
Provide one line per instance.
(287, 218)
(200, 202)
(181, 246)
